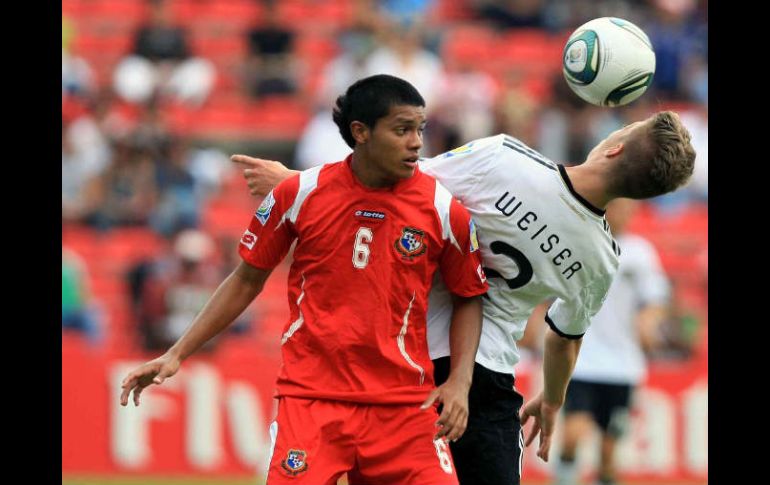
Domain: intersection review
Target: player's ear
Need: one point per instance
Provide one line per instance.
(614, 150)
(360, 132)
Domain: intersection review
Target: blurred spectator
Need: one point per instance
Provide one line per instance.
(509, 14)
(561, 129)
(677, 34)
(405, 13)
(178, 206)
(77, 75)
(79, 312)
(612, 359)
(320, 141)
(401, 54)
(162, 63)
(85, 156)
(126, 191)
(270, 67)
(517, 109)
(464, 107)
(168, 292)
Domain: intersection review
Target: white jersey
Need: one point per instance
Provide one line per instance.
(610, 352)
(539, 240)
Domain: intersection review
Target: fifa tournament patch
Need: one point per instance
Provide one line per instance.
(474, 237)
(467, 148)
(411, 243)
(248, 239)
(263, 213)
(295, 462)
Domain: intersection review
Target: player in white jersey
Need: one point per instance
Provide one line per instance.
(612, 360)
(543, 235)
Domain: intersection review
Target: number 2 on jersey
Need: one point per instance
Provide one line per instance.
(525, 267)
(361, 247)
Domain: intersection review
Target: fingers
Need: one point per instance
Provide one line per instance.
(245, 160)
(137, 391)
(430, 400)
(125, 393)
(545, 446)
(533, 432)
(524, 416)
(452, 422)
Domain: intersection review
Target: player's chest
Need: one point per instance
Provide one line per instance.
(361, 231)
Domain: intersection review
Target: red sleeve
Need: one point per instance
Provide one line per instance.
(269, 236)
(461, 268)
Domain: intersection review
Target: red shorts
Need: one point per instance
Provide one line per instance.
(316, 442)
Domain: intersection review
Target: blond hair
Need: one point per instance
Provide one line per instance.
(656, 160)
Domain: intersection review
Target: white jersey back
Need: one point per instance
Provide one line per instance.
(611, 352)
(539, 240)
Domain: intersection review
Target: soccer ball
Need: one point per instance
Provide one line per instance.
(608, 61)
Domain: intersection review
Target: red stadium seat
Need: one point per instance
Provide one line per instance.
(530, 50)
(472, 45)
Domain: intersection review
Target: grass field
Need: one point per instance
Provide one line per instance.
(91, 480)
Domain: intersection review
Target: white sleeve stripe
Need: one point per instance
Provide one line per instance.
(443, 202)
(308, 181)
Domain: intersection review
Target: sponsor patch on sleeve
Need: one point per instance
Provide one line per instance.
(263, 213)
(474, 237)
(249, 239)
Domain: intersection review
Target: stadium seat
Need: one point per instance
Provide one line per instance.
(470, 44)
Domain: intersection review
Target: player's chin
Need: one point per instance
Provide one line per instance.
(406, 168)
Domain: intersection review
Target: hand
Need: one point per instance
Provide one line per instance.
(261, 175)
(152, 372)
(545, 415)
(454, 416)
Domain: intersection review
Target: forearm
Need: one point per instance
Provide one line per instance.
(464, 335)
(559, 360)
(648, 322)
(229, 300)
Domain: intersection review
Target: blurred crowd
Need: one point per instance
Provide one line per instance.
(124, 164)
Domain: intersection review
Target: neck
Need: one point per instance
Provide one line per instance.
(588, 181)
(368, 175)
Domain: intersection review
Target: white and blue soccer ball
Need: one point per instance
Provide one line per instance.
(608, 62)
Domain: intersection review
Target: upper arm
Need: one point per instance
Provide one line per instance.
(460, 261)
(251, 276)
(270, 234)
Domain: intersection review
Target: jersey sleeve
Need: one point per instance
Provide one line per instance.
(571, 318)
(460, 261)
(270, 235)
(461, 169)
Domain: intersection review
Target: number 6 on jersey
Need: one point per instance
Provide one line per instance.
(360, 248)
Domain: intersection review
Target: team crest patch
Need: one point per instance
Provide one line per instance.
(411, 243)
(474, 237)
(294, 463)
(263, 213)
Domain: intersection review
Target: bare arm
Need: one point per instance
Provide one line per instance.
(262, 175)
(228, 301)
(559, 359)
(648, 322)
(464, 335)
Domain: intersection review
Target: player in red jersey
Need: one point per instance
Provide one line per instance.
(355, 388)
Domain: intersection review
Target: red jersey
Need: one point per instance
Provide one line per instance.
(358, 286)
